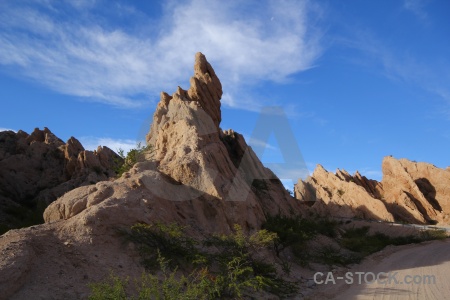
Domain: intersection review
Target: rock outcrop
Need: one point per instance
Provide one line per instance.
(37, 168)
(409, 192)
(416, 192)
(340, 195)
(197, 176)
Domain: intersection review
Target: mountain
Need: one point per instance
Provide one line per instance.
(37, 168)
(196, 175)
(412, 192)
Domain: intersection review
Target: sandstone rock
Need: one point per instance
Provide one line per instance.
(38, 168)
(420, 188)
(338, 195)
(199, 176)
(409, 192)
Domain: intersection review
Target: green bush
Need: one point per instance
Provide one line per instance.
(359, 240)
(25, 216)
(169, 239)
(232, 260)
(259, 185)
(236, 254)
(112, 288)
(433, 234)
(296, 231)
(4, 228)
(126, 162)
(173, 286)
(330, 256)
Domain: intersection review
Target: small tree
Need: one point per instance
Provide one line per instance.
(133, 156)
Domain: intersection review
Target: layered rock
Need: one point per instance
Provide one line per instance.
(198, 176)
(409, 191)
(416, 191)
(341, 195)
(37, 168)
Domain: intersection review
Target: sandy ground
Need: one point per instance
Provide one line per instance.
(427, 264)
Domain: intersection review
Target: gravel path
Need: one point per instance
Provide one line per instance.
(408, 272)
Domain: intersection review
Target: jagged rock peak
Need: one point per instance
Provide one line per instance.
(206, 88)
(205, 92)
(37, 168)
(413, 192)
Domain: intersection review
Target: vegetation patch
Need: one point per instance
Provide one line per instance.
(235, 266)
(126, 162)
(294, 232)
(259, 185)
(220, 267)
(169, 240)
(21, 216)
(170, 285)
(360, 241)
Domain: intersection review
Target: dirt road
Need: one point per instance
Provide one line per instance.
(409, 272)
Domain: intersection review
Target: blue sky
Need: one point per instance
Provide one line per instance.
(358, 80)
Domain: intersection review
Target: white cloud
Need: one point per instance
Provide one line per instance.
(293, 173)
(372, 174)
(6, 129)
(91, 143)
(81, 56)
(430, 74)
(417, 7)
(252, 142)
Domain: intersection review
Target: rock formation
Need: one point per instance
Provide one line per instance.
(409, 192)
(339, 195)
(38, 168)
(416, 191)
(197, 176)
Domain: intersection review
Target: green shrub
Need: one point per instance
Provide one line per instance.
(26, 216)
(126, 162)
(239, 250)
(259, 185)
(97, 169)
(359, 240)
(296, 231)
(331, 255)
(173, 286)
(4, 228)
(112, 288)
(169, 239)
(232, 260)
(433, 234)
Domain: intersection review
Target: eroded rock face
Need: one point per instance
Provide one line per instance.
(341, 195)
(198, 176)
(409, 191)
(38, 168)
(422, 189)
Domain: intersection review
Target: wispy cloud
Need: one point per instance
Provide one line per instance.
(399, 65)
(370, 173)
(91, 143)
(83, 55)
(259, 143)
(417, 7)
(6, 129)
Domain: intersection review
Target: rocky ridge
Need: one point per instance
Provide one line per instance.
(409, 192)
(37, 168)
(199, 176)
